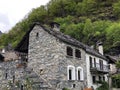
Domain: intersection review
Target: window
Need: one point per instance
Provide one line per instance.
(103, 78)
(109, 67)
(37, 35)
(94, 62)
(100, 79)
(74, 85)
(21, 87)
(69, 51)
(94, 79)
(90, 58)
(13, 78)
(6, 75)
(71, 72)
(77, 53)
(80, 75)
(101, 64)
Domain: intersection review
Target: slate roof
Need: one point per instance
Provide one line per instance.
(10, 55)
(111, 59)
(23, 45)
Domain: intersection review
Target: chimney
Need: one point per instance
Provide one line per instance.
(3, 50)
(55, 26)
(100, 47)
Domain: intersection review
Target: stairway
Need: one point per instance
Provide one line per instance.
(38, 83)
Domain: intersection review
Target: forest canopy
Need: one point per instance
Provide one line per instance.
(89, 21)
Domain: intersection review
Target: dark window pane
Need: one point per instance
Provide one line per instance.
(94, 62)
(93, 79)
(6, 75)
(101, 64)
(69, 51)
(37, 35)
(13, 78)
(78, 74)
(77, 53)
(103, 78)
(100, 78)
(90, 58)
(70, 74)
(74, 85)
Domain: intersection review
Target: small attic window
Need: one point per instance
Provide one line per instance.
(69, 51)
(6, 75)
(37, 35)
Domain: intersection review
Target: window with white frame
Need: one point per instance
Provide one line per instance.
(80, 75)
(71, 72)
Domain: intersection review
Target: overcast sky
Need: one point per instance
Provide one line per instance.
(12, 11)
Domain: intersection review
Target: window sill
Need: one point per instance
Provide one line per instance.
(96, 83)
(80, 80)
(77, 58)
(71, 80)
(73, 57)
(69, 56)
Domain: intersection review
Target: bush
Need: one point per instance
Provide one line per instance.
(104, 86)
(116, 81)
(65, 89)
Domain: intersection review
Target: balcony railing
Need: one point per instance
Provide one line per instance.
(99, 68)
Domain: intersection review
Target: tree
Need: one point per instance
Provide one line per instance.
(116, 8)
(75, 30)
(88, 31)
(113, 33)
(38, 15)
(61, 8)
(84, 7)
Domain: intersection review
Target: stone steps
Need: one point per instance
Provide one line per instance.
(36, 80)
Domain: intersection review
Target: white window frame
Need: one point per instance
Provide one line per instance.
(70, 67)
(81, 73)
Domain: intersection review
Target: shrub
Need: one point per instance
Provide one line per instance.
(65, 89)
(104, 86)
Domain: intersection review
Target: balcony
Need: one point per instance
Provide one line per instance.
(98, 69)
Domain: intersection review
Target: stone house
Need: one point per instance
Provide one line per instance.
(55, 57)
(112, 70)
(59, 60)
(112, 65)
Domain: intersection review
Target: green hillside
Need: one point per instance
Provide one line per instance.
(88, 21)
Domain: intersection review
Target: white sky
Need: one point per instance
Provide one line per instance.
(12, 11)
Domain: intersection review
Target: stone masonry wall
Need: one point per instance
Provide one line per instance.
(47, 57)
(10, 68)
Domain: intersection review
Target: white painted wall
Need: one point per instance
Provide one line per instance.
(113, 68)
(89, 75)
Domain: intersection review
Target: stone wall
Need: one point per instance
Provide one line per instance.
(8, 70)
(47, 57)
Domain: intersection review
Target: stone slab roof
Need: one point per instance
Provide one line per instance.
(111, 59)
(23, 45)
(10, 56)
